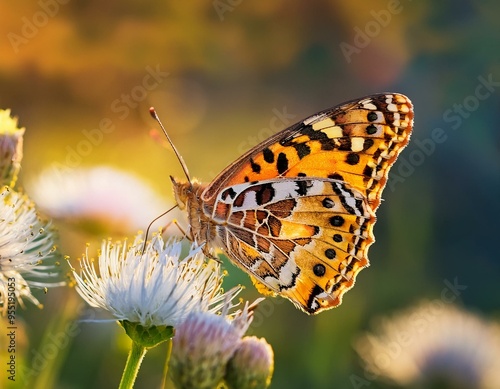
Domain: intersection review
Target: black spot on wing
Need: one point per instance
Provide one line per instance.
(330, 253)
(264, 194)
(337, 221)
(302, 187)
(368, 143)
(282, 163)
(368, 171)
(327, 144)
(319, 269)
(352, 158)
(372, 116)
(345, 144)
(314, 134)
(268, 155)
(371, 129)
(229, 192)
(328, 203)
(302, 149)
(255, 166)
(337, 238)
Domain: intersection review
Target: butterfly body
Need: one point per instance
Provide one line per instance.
(297, 211)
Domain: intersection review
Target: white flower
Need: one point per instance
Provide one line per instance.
(100, 198)
(154, 288)
(204, 343)
(434, 344)
(26, 248)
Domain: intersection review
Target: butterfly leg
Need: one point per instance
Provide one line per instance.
(210, 254)
(176, 223)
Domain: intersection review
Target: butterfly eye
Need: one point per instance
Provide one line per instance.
(180, 193)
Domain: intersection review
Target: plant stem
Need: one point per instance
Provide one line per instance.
(167, 362)
(132, 366)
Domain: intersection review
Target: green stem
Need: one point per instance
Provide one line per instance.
(132, 366)
(167, 362)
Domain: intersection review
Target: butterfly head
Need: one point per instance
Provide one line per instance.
(181, 192)
(185, 192)
(188, 197)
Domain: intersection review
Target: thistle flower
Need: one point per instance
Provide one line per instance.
(204, 343)
(100, 200)
(433, 345)
(11, 148)
(150, 291)
(26, 250)
(154, 288)
(251, 366)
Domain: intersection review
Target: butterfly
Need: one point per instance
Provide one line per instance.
(296, 212)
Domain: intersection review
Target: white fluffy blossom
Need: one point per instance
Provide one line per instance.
(26, 250)
(156, 287)
(434, 344)
(101, 199)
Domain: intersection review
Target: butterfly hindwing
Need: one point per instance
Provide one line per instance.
(302, 238)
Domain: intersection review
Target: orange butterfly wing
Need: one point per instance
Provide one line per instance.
(296, 212)
(356, 142)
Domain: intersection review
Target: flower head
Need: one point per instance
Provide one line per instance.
(11, 148)
(26, 249)
(100, 200)
(251, 366)
(434, 344)
(154, 288)
(204, 343)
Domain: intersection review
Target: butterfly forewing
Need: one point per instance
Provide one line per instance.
(356, 142)
(297, 211)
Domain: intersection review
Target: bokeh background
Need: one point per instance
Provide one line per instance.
(227, 74)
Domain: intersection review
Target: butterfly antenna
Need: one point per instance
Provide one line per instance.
(153, 113)
(151, 224)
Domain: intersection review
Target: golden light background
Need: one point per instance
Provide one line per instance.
(225, 74)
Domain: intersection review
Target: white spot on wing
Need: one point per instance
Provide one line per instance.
(379, 117)
(272, 283)
(369, 106)
(313, 119)
(332, 132)
(284, 190)
(392, 107)
(326, 121)
(250, 200)
(287, 273)
(396, 122)
(357, 144)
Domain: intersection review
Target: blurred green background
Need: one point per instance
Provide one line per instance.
(224, 71)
